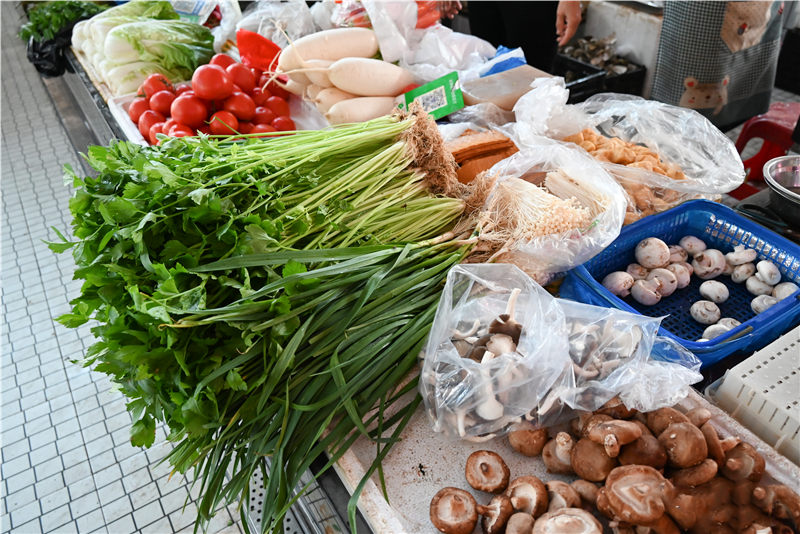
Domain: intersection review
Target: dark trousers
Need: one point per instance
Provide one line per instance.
(527, 25)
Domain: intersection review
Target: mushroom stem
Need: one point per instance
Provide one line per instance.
(729, 443)
(464, 335)
(512, 302)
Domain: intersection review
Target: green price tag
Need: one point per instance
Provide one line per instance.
(438, 98)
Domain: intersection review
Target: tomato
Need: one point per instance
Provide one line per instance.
(161, 101)
(189, 110)
(204, 129)
(260, 96)
(262, 128)
(264, 116)
(223, 123)
(276, 89)
(256, 73)
(155, 129)
(140, 91)
(168, 126)
(284, 124)
(181, 130)
(242, 76)
(237, 89)
(138, 106)
(211, 82)
(223, 60)
(154, 83)
(409, 87)
(182, 88)
(148, 119)
(278, 106)
(241, 105)
(245, 127)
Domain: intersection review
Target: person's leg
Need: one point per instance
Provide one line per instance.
(532, 27)
(486, 21)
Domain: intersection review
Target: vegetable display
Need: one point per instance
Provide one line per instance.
(47, 18)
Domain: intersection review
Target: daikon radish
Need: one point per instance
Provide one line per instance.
(312, 91)
(319, 78)
(295, 88)
(369, 77)
(360, 109)
(329, 44)
(328, 97)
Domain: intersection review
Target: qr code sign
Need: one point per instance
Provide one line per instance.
(432, 100)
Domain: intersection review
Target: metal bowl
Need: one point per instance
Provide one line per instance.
(783, 178)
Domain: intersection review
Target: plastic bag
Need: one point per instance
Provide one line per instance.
(226, 31)
(678, 136)
(478, 118)
(468, 399)
(322, 12)
(294, 18)
(350, 14)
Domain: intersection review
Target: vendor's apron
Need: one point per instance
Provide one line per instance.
(719, 58)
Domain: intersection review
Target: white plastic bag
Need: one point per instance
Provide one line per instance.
(226, 31)
(293, 17)
(679, 136)
(468, 399)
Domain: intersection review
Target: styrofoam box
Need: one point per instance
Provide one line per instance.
(118, 106)
(763, 393)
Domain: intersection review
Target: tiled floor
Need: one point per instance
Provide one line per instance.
(67, 463)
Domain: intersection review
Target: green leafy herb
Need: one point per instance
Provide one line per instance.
(48, 18)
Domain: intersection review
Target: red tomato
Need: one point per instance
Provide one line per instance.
(245, 127)
(182, 88)
(181, 130)
(148, 119)
(256, 73)
(262, 129)
(237, 89)
(140, 91)
(161, 102)
(223, 123)
(242, 76)
(223, 60)
(211, 82)
(168, 126)
(155, 129)
(276, 89)
(278, 106)
(188, 110)
(241, 105)
(409, 87)
(138, 106)
(284, 124)
(264, 116)
(204, 129)
(154, 83)
(260, 96)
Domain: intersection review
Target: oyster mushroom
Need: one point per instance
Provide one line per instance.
(784, 290)
(528, 494)
(677, 254)
(586, 489)
(682, 274)
(659, 420)
(590, 461)
(742, 272)
(767, 272)
(743, 461)
(692, 245)
(646, 292)
(496, 514)
(567, 521)
(486, 471)
(520, 523)
(501, 344)
(695, 475)
(618, 283)
(652, 253)
(505, 323)
(636, 271)
(762, 303)
(556, 454)
(717, 447)
(454, 511)
(469, 333)
(528, 442)
(708, 264)
(561, 495)
(757, 287)
(729, 323)
(741, 255)
(644, 451)
(715, 330)
(685, 445)
(613, 434)
(705, 312)
(667, 281)
(714, 291)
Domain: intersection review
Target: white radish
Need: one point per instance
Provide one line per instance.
(312, 91)
(329, 44)
(360, 109)
(295, 88)
(319, 78)
(327, 98)
(369, 77)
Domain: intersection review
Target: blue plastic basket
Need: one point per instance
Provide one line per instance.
(721, 228)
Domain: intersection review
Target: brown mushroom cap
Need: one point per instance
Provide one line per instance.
(712, 505)
(644, 451)
(454, 511)
(659, 420)
(557, 454)
(561, 495)
(587, 490)
(743, 461)
(496, 514)
(715, 451)
(616, 409)
(520, 523)
(788, 503)
(567, 521)
(486, 471)
(662, 525)
(613, 434)
(528, 442)
(696, 475)
(685, 445)
(747, 515)
(528, 494)
(698, 416)
(634, 494)
(590, 461)
(642, 427)
(602, 504)
(591, 422)
(576, 425)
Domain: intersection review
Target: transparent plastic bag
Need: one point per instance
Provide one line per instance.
(294, 18)
(681, 137)
(472, 400)
(350, 14)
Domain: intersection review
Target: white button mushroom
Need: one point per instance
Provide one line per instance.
(768, 273)
(757, 287)
(714, 291)
(743, 272)
(728, 269)
(741, 255)
(729, 322)
(784, 290)
(618, 283)
(646, 292)
(682, 273)
(667, 280)
(637, 271)
(688, 267)
(714, 330)
(652, 253)
(762, 303)
(708, 264)
(705, 312)
(677, 254)
(692, 245)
